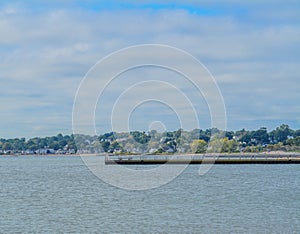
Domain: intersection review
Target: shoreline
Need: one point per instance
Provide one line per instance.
(260, 154)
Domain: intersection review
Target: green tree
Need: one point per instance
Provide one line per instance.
(7, 146)
(229, 146)
(199, 146)
(54, 145)
(281, 134)
(105, 145)
(140, 137)
(261, 136)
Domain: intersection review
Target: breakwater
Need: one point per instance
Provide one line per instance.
(208, 159)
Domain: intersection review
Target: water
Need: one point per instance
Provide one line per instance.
(59, 195)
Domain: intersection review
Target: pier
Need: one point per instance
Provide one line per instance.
(205, 159)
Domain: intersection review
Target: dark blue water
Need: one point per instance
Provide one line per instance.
(60, 194)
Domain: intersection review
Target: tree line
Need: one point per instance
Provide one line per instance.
(196, 141)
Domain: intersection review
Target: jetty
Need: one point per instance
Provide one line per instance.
(260, 158)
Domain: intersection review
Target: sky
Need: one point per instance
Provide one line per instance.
(251, 48)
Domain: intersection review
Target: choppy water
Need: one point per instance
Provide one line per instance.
(60, 194)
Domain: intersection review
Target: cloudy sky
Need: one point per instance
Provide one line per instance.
(251, 48)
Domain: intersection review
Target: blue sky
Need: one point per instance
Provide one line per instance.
(46, 47)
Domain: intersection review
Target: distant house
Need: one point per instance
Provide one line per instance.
(45, 151)
(170, 150)
(29, 151)
(51, 151)
(181, 150)
(153, 150)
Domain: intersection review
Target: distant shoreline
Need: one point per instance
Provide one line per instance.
(260, 154)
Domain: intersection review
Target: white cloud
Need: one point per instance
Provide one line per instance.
(45, 53)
